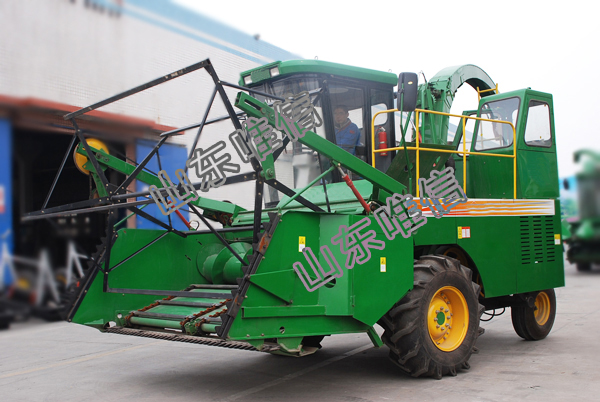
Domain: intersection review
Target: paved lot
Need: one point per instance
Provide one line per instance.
(65, 362)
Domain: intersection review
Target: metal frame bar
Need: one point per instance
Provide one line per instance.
(290, 193)
(194, 125)
(258, 204)
(139, 88)
(138, 251)
(197, 138)
(250, 90)
(66, 212)
(157, 222)
(141, 166)
(60, 169)
(179, 293)
(91, 155)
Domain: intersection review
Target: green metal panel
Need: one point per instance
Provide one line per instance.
(540, 265)
(375, 292)
(436, 231)
(361, 296)
(168, 265)
(489, 176)
(491, 246)
(288, 67)
(537, 174)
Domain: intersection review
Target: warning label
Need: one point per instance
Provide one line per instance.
(464, 232)
(301, 243)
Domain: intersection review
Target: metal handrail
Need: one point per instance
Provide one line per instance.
(464, 151)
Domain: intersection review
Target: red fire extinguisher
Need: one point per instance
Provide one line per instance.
(382, 138)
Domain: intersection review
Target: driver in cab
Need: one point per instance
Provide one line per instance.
(347, 134)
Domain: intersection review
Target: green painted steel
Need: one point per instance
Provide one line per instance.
(290, 67)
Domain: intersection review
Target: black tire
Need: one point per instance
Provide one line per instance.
(531, 323)
(406, 325)
(583, 266)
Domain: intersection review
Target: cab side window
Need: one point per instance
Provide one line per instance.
(537, 129)
(492, 135)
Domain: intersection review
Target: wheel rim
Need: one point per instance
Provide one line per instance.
(457, 254)
(542, 311)
(448, 318)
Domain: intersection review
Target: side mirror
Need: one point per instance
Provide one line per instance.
(407, 91)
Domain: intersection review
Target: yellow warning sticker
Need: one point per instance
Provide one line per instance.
(557, 239)
(382, 266)
(301, 243)
(464, 232)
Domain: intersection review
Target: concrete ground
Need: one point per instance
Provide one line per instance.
(67, 362)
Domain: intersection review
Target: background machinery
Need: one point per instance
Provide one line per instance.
(585, 231)
(235, 286)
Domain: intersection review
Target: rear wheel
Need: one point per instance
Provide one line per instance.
(583, 266)
(534, 323)
(432, 331)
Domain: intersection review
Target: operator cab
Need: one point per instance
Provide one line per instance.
(531, 113)
(345, 97)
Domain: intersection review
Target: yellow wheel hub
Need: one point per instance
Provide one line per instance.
(542, 311)
(448, 318)
(81, 160)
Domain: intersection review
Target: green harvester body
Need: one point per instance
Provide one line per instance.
(262, 301)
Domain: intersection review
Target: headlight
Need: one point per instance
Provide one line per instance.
(247, 80)
(274, 71)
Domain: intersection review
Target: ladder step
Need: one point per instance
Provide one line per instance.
(176, 302)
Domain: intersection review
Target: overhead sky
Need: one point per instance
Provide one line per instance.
(548, 46)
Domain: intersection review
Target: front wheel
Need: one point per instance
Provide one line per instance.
(534, 323)
(432, 331)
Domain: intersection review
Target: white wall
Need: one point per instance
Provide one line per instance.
(79, 52)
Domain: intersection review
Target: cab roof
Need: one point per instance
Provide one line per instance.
(288, 67)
